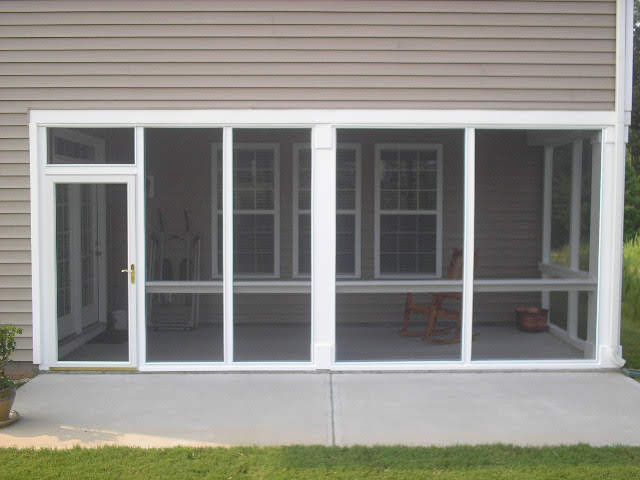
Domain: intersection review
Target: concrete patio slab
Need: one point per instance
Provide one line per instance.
(478, 408)
(157, 410)
(171, 409)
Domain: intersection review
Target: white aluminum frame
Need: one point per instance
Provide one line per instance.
(438, 148)
(323, 285)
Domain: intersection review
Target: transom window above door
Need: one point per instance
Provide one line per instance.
(90, 146)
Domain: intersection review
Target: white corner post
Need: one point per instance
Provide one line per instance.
(469, 242)
(610, 269)
(612, 196)
(227, 242)
(323, 245)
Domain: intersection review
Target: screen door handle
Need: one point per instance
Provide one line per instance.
(132, 271)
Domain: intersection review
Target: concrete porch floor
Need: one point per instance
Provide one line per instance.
(158, 410)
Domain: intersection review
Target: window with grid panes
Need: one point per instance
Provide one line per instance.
(407, 209)
(254, 210)
(347, 204)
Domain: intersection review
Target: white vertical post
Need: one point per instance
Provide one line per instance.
(546, 214)
(227, 242)
(469, 242)
(575, 210)
(610, 268)
(323, 244)
(141, 320)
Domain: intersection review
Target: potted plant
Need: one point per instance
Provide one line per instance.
(7, 385)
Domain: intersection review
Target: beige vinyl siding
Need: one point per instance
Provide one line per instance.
(202, 54)
(15, 234)
(297, 54)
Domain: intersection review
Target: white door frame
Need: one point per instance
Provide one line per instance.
(44, 177)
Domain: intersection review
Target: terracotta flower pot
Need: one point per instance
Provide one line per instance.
(532, 319)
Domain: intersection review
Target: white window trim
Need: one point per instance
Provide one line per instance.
(275, 148)
(378, 212)
(357, 211)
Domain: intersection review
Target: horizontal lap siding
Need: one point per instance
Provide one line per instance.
(297, 54)
(15, 242)
(281, 54)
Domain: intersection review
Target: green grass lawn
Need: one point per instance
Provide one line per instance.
(464, 462)
(630, 340)
(630, 334)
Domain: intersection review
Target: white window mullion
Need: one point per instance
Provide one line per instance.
(227, 242)
(323, 244)
(469, 242)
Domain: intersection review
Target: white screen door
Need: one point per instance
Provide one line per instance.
(94, 278)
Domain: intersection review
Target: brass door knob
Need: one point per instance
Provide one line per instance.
(132, 271)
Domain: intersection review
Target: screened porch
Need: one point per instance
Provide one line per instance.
(399, 237)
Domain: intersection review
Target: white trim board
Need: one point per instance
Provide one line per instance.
(503, 119)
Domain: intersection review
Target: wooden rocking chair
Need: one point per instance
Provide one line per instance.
(437, 308)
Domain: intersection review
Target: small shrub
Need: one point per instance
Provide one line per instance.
(7, 347)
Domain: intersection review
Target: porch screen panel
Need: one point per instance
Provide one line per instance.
(184, 301)
(536, 244)
(91, 292)
(271, 230)
(409, 211)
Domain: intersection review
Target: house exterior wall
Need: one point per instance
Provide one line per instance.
(72, 54)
